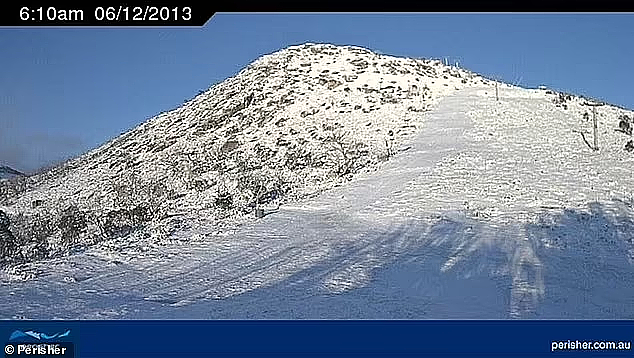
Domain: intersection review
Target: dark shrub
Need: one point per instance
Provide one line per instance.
(8, 244)
(71, 224)
(625, 124)
(26, 237)
(117, 223)
(224, 201)
(124, 221)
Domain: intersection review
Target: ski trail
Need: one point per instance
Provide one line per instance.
(441, 136)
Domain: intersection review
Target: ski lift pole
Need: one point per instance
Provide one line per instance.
(594, 122)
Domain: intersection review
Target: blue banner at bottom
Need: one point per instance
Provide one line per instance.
(316, 338)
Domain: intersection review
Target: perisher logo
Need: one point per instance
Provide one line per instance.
(20, 335)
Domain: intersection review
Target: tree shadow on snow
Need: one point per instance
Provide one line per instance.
(576, 263)
(588, 261)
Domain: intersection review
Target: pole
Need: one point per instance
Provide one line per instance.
(497, 98)
(594, 123)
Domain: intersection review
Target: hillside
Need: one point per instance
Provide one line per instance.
(7, 172)
(290, 125)
(383, 200)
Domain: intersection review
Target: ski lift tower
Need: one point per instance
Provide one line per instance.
(594, 106)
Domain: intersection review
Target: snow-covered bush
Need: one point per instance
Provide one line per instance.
(8, 244)
(12, 188)
(224, 199)
(348, 155)
(4, 191)
(297, 158)
(71, 223)
(31, 235)
(626, 124)
(260, 186)
(561, 99)
(123, 221)
(133, 193)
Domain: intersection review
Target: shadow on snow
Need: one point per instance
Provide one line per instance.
(576, 263)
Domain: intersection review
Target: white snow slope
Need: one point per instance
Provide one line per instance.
(493, 209)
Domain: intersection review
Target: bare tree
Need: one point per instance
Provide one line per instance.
(349, 152)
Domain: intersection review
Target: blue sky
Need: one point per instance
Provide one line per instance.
(64, 91)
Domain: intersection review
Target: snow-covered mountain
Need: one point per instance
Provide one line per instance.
(290, 125)
(7, 172)
(390, 187)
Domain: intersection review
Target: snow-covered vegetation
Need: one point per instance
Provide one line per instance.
(290, 125)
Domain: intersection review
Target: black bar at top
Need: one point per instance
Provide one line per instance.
(193, 13)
